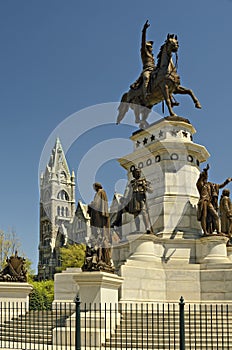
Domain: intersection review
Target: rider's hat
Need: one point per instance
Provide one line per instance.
(149, 43)
(136, 170)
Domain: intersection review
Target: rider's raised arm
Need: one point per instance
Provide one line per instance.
(225, 182)
(143, 44)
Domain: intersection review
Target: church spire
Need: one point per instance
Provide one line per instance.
(57, 203)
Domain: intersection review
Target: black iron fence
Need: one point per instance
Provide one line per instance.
(117, 326)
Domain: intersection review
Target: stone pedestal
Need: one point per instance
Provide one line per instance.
(98, 292)
(177, 260)
(162, 269)
(212, 250)
(98, 287)
(14, 298)
(229, 253)
(65, 287)
(170, 160)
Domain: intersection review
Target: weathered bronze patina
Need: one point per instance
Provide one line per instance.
(137, 201)
(225, 210)
(156, 83)
(208, 203)
(15, 270)
(98, 250)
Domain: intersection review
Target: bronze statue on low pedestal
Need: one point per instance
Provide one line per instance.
(156, 83)
(15, 270)
(137, 201)
(207, 212)
(225, 209)
(98, 250)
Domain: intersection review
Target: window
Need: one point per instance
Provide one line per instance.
(63, 195)
(62, 211)
(63, 175)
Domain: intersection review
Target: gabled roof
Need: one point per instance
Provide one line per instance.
(83, 208)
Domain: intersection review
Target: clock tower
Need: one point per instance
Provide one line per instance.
(57, 210)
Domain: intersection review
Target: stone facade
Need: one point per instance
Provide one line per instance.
(57, 210)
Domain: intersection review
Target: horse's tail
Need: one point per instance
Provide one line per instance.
(122, 108)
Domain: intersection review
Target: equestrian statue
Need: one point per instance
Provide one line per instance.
(156, 83)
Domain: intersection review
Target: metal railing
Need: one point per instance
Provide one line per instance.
(21, 328)
(76, 326)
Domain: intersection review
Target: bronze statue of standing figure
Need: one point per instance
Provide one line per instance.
(207, 212)
(156, 83)
(98, 250)
(225, 210)
(137, 201)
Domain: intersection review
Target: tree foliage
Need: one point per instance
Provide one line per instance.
(42, 296)
(72, 255)
(9, 243)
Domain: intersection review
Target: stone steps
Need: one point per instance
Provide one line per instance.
(34, 326)
(162, 332)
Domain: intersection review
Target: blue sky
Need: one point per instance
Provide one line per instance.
(58, 57)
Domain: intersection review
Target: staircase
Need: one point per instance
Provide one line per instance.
(34, 327)
(203, 330)
(206, 327)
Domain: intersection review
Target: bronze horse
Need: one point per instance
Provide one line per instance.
(164, 82)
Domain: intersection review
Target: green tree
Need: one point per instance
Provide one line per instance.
(42, 296)
(72, 255)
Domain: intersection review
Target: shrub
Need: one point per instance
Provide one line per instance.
(42, 296)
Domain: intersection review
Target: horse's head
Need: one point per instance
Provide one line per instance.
(172, 43)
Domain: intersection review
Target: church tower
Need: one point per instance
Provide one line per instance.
(57, 209)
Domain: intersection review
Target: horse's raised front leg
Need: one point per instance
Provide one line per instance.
(165, 92)
(123, 108)
(136, 109)
(185, 91)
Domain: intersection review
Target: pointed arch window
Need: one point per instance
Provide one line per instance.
(63, 195)
(63, 175)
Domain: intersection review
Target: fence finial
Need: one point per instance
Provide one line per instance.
(182, 300)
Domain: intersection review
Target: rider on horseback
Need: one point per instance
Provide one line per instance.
(156, 83)
(148, 62)
(147, 59)
(148, 66)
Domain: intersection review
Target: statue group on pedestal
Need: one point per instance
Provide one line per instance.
(15, 270)
(156, 83)
(98, 250)
(207, 212)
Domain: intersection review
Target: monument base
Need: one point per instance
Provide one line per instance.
(98, 287)
(65, 288)
(161, 269)
(14, 298)
(98, 292)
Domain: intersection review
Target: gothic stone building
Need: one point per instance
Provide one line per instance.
(61, 222)
(57, 210)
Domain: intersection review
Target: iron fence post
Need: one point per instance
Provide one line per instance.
(78, 324)
(182, 327)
